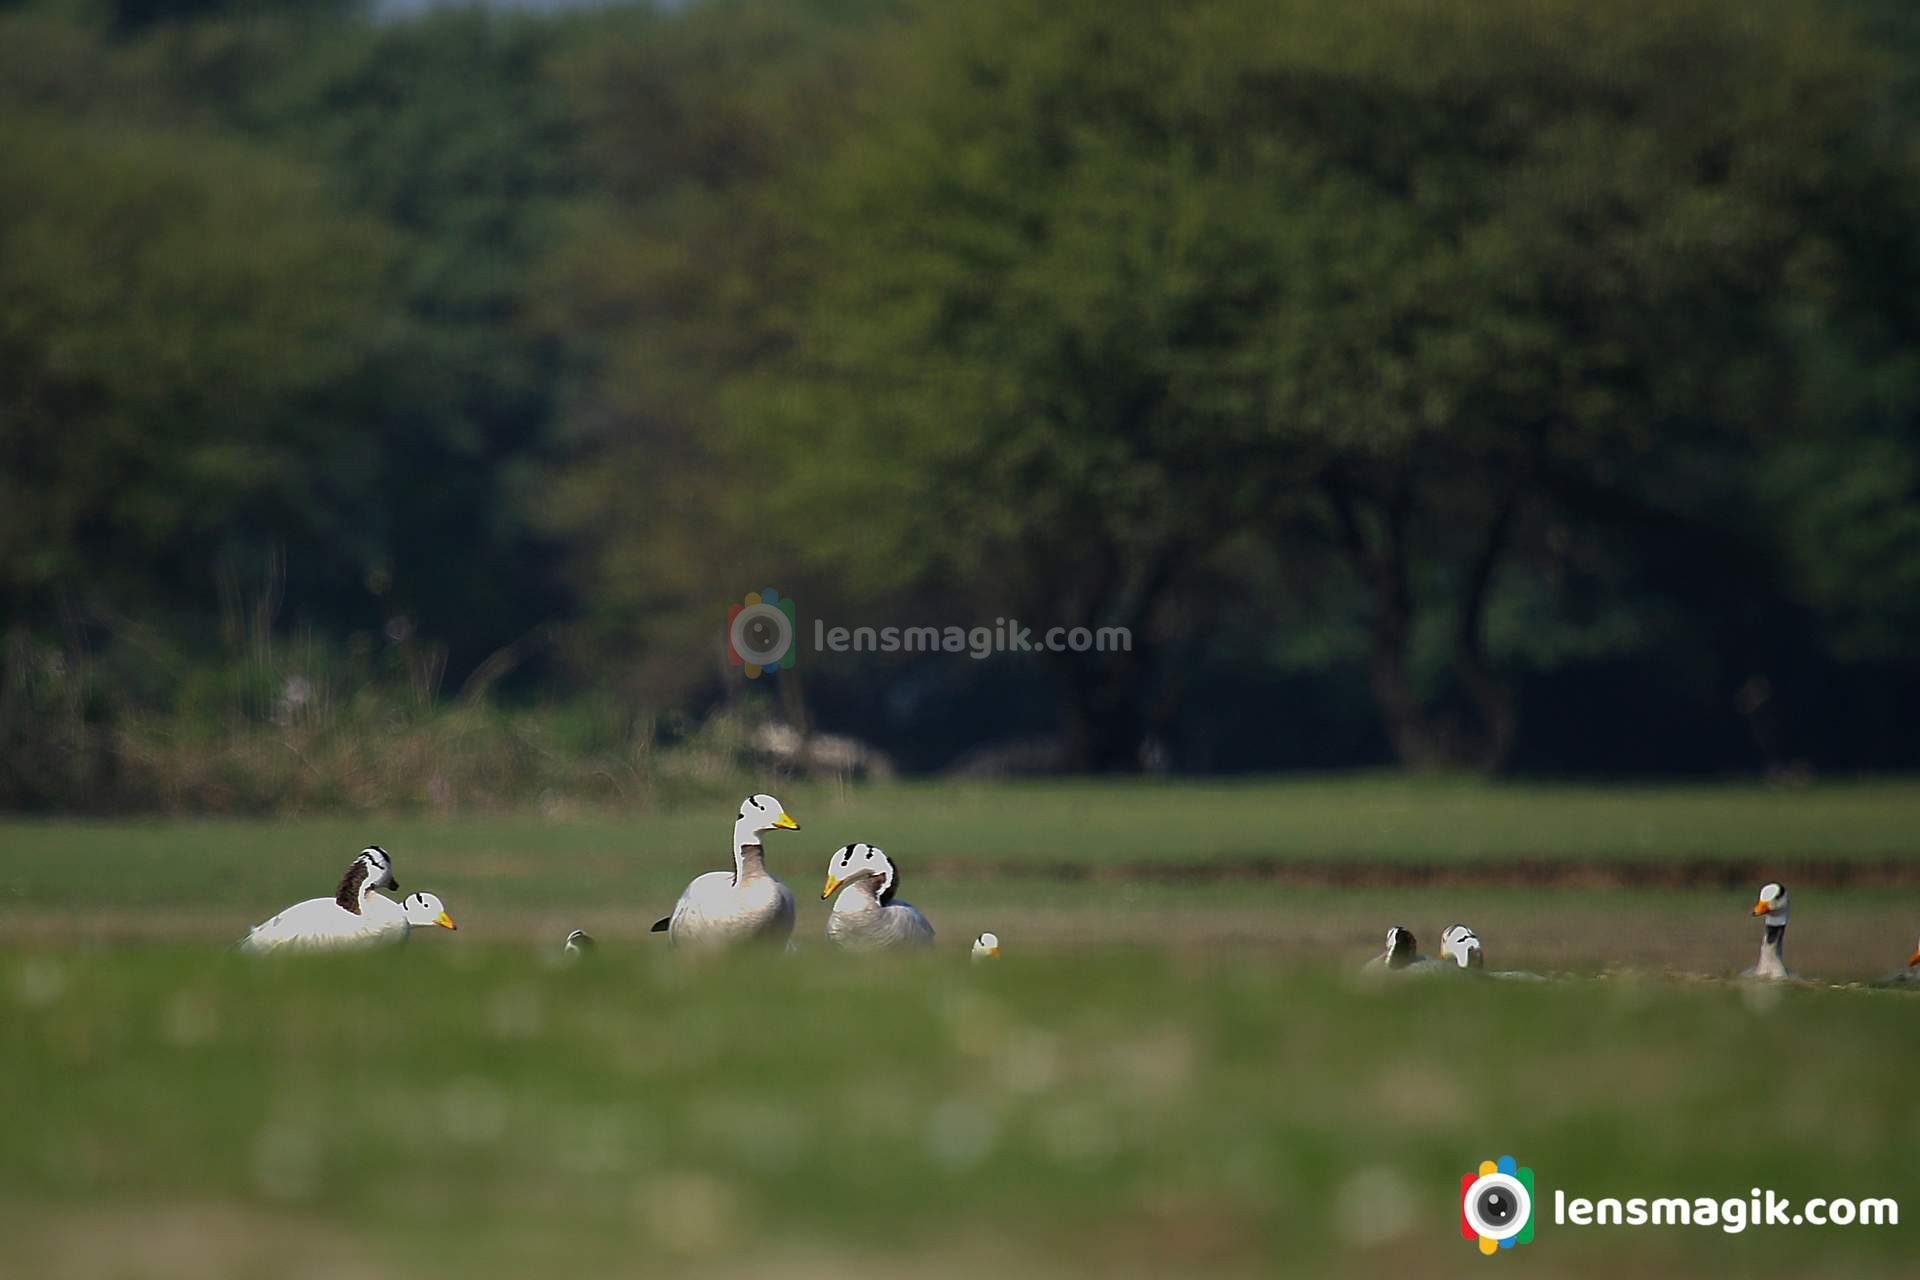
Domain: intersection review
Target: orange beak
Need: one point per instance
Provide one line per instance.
(1914, 959)
(1762, 908)
(445, 921)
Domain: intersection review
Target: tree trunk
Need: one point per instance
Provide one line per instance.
(1422, 738)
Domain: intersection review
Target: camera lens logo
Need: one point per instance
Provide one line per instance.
(760, 632)
(1496, 1205)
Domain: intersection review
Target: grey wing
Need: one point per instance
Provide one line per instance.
(915, 929)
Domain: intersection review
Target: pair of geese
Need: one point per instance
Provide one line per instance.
(356, 917)
(1460, 947)
(747, 906)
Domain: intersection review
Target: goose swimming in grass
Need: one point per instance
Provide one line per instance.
(867, 917)
(745, 905)
(986, 947)
(1774, 906)
(322, 924)
(1402, 955)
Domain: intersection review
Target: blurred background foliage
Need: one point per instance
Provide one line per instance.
(392, 400)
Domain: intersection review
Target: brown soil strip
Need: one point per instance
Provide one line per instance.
(1516, 873)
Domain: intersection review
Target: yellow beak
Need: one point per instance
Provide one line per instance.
(1762, 908)
(993, 951)
(786, 823)
(445, 921)
(833, 882)
(1914, 958)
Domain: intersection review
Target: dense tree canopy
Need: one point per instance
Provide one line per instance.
(1455, 384)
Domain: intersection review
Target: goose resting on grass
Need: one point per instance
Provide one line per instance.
(1774, 906)
(745, 905)
(322, 924)
(1461, 945)
(866, 917)
(1402, 955)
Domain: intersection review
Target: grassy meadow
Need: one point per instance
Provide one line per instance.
(1172, 1070)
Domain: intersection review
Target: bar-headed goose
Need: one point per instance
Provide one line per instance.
(726, 908)
(867, 916)
(322, 924)
(1461, 946)
(1774, 906)
(579, 946)
(986, 947)
(1402, 955)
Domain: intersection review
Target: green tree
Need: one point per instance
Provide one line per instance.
(1098, 286)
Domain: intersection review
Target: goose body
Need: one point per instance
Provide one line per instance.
(723, 909)
(867, 916)
(1773, 904)
(322, 924)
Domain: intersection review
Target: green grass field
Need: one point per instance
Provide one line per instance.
(1167, 1074)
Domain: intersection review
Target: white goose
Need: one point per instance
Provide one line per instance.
(986, 947)
(867, 917)
(1773, 905)
(322, 924)
(745, 905)
(1462, 946)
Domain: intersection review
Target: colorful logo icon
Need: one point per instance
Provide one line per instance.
(1496, 1205)
(760, 632)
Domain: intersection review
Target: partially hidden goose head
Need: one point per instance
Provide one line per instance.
(986, 946)
(423, 909)
(580, 944)
(1402, 948)
(1461, 945)
(1773, 905)
(373, 869)
(855, 862)
(759, 813)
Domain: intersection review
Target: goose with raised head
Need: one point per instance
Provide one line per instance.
(867, 916)
(1773, 905)
(746, 905)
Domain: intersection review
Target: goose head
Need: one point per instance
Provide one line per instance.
(1773, 905)
(986, 946)
(857, 862)
(580, 943)
(423, 909)
(1402, 947)
(759, 813)
(1462, 946)
(373, 869)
